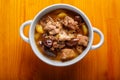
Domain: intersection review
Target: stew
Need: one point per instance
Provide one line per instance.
(61, 35)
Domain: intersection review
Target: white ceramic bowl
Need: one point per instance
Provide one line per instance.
(31, 40)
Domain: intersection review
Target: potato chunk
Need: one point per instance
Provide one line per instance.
(39, 28)
(62, 15)
(85, 30)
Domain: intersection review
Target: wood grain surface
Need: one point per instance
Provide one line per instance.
(18, 62)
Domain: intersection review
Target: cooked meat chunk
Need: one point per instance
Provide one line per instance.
(78, 18)
(49, 26)
(67, 54)
(51, 37)
(72, 42)
(64, 36)
(48, 42)
(83, 40)
(79, 49)
(58, 45)
(70, 23)
(55, 44)
(44, 20)
(52, 27)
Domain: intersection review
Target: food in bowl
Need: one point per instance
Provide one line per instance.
(61, 35)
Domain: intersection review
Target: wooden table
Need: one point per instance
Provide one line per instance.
(18, 62)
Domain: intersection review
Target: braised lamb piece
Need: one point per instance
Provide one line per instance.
(52, 27)
(67, 54)
(61, 35)
(70, 23)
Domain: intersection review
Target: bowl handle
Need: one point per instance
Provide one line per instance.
(22, 29)
(101, 38)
